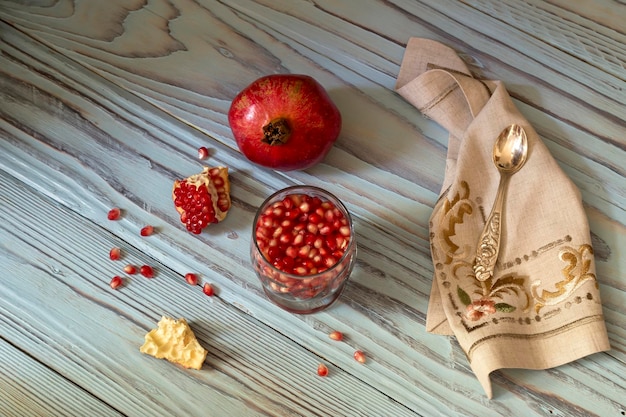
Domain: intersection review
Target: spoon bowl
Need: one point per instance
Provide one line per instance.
(510, 149)
(509, 155)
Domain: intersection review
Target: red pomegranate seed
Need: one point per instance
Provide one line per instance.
(336, 335)
(191, 279)
(207, 289)
(322, 370)
(146, 230)
(203, 152)
(114, 213)
(146, 271)
(116, 282)
(359, 356)
(115, 254)
(302, 235)
(130, 269)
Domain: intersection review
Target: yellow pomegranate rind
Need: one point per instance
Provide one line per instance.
(175, 341)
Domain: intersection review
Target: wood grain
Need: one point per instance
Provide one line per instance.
(105, 105)
(250, 366)
(27, 389)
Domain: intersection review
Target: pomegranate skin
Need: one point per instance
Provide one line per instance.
(297, 101)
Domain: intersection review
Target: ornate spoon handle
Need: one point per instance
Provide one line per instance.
(489, 241)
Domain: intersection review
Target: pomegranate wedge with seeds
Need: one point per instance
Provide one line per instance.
(203, 198)
(303, 248)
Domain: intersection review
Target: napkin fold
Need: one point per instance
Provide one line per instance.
(541, 308)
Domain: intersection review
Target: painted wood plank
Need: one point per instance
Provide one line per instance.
(544, 59)
(600, 186)
(385, 303)
(58, 306)
(598, 174)
(26, 390)
(74, 169)
(113, 329)
(369, 312)
(581, 119)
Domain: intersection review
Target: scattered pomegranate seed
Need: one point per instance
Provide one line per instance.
(116, 282)
(191, 279)
(115, 254)
(114, 213)
(146, 271)
(336, 335)
(207, 289)
(322, 370)
(146, 230)
(203, 152)
(359, 356)
(130, 269)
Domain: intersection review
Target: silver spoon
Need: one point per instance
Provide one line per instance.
(509, 154)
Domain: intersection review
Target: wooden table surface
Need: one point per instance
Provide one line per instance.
(104, 103)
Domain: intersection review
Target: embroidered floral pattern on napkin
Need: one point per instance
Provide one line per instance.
(542, 306)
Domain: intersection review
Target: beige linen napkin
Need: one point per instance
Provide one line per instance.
(542, 306)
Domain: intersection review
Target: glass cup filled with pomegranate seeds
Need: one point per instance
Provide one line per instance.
(303, 248)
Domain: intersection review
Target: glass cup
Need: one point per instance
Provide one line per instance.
(303, 248)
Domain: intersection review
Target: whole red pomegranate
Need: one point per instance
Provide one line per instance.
(284, 121)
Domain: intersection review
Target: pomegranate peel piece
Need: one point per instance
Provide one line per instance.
(175, 341)
(203, 198)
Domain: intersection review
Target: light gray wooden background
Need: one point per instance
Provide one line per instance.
(104, 104)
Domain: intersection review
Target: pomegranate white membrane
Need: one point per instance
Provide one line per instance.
(303, 248)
